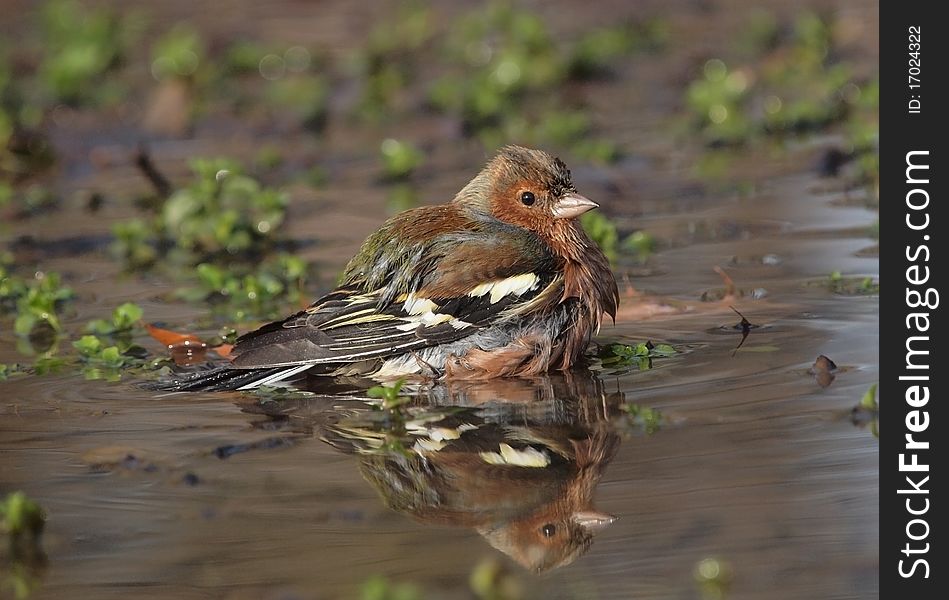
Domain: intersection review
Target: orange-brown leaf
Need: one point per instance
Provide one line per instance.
(173, 338)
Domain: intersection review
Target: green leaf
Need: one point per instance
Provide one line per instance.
(126, 315)
(24, 323)
(111, 356)
(869, 400)
(21, 515)
(88, 346)
(99, 327)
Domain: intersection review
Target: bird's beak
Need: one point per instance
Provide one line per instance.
(573, 205)
(590, 519)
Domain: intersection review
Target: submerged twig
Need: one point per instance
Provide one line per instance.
(143, 161)
(746, 327)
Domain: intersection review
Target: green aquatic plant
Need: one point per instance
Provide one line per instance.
(134, 244)
(380, 588)
(613, 356)
(179, 53)
(81, 45)
(640, 244)
(302, 96)
(602, 231)
(596, 52)
(36, 302)
(224, 227)
(795, 84)
(867, 412)
(399, 159)
(222, 212)
(124, 319)
(221, 215)
(387, 63)
(21, 516)
(717, 103)
(244, 291)
(505, 77)
(869, 400)
(851, 286)
(92, 350)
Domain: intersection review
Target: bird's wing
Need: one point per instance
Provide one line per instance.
(442, 292)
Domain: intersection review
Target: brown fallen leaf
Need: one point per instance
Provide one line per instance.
(822, 370)
(185, 348)
(729, 282)
(173, 338)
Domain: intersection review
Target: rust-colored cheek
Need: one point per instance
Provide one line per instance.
(506, 206)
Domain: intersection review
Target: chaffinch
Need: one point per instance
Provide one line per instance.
(501, 281)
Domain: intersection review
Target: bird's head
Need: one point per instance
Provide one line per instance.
(527, 188)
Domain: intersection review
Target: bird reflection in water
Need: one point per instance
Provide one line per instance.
(515, 460)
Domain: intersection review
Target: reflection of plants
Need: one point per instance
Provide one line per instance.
(648, 420)
(389, 394)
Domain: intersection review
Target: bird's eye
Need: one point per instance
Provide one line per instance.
(548, 530)
(527, 198)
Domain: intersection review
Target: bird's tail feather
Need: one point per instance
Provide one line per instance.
(218, 379)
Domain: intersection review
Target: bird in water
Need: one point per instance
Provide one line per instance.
(500, 282)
